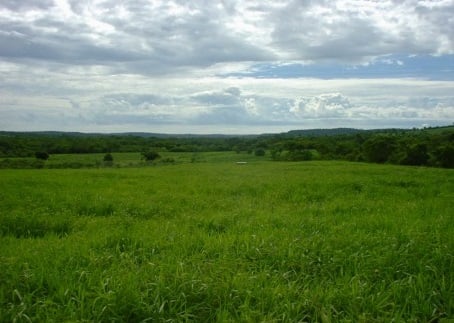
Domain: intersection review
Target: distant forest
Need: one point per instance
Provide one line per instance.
(421, 147)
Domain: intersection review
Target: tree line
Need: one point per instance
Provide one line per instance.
(421, 147)
(417, 147)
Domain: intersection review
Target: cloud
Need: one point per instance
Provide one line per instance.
(229, 96)
(232, 65)
(142, 37)
(164, 36)
(361, 30)
(27, 5)
(239, 105)
(330, 105)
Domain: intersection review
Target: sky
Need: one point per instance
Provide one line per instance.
(231, 67)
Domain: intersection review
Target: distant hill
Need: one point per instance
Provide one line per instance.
(183, 135)
(323, 132)
(352, 131)
(292, 133)
(128, 134)
(438, 129)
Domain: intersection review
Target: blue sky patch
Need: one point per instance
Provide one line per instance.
(392, 66)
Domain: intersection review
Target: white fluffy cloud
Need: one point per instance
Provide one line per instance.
(329, 105)
(233, 105)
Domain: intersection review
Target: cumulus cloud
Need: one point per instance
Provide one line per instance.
(230, 96)
(247, 105)
(330, 105)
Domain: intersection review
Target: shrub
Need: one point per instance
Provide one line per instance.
(42, 155)
(379, 149)
(259, 152)
(300, 155)
(444, 156)
(108, 157)
(416, 155)
(150, 155)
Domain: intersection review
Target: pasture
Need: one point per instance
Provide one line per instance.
(208, 240)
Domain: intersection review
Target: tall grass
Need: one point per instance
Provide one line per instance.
(216, 241)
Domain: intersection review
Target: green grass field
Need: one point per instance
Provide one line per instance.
(65, 161)
(215, 241)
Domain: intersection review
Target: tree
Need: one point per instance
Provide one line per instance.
(150, 155)
(299, 155)
(42, 155)
(380, 148)
(416, 155)
(444, 156)
(108, 157)
(260, 152)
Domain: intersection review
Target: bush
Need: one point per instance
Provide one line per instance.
(260, 152)
(416, 155)
(444, 156)
(150, 155)
(42, 155)
(300, 155)
(108, 157)
(379, 149)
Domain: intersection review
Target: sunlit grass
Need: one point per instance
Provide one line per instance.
(216, 241)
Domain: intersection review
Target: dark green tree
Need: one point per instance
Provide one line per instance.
(150, 155)
(444, 156)
(108, 157)
(380, 148)
(416, 155)
(260, 152)
(42, 155)
(299, 155)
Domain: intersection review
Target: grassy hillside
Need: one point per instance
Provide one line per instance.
(217, 241)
